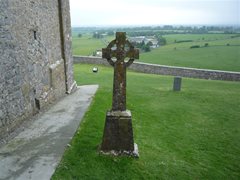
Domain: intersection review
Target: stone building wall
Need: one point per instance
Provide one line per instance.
(36, 59)
(168, 70)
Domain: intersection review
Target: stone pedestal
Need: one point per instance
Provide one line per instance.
(118, 134)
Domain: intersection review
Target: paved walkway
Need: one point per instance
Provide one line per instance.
(36, 152)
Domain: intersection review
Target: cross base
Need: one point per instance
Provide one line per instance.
(133, 153)
(118, 134)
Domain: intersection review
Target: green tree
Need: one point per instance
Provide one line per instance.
(161, 40)
(146, 48)
(97, 35)
(110, 33)
(149, 43)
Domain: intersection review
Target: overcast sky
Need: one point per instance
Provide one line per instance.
(154, 12)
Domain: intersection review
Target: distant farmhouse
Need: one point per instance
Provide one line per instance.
(138, 39)
(146, 39)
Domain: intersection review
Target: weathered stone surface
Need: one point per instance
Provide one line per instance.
(118, 133)
(67, 44)
(169, 70)
(34, 35)
(124, 49)
(177, 83)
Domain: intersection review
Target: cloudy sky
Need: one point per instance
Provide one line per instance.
(154, 12)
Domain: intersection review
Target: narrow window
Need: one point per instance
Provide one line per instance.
(35, 35)
(37, 103)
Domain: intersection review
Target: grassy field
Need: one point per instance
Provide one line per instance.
(86, 45)
(217, 55)
(197, 37)
(192, 134)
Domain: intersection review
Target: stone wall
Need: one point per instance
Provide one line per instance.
(168, 70)
(36, 59)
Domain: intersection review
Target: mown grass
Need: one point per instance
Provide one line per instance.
(217, 55)
(197, 37)
(213, 57)
(86, 45)
(192, 134)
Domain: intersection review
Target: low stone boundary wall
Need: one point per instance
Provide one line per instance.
(168, 70)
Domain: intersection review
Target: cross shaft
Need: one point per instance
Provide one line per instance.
(120, 48)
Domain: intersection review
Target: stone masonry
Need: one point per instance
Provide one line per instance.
(36, 59)
(168, 70)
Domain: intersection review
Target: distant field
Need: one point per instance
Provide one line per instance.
(222, 52)
(86, 45)
(217, 55)
(197, 37)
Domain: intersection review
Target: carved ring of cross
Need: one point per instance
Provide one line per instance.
(122, 50)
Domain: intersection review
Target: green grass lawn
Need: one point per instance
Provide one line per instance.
(213, 57)
(197, 37)
(216, 56)
(86, 45)
(192, 134)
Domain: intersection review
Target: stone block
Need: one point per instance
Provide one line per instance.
(28, 53)
(169, 70)
(1, 114)
(56, 73)
(177, 83)
(118, 133)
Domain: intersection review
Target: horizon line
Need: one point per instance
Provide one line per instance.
(156, 25)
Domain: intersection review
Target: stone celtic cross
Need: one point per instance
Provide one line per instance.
(120, 48)
(118, 131)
